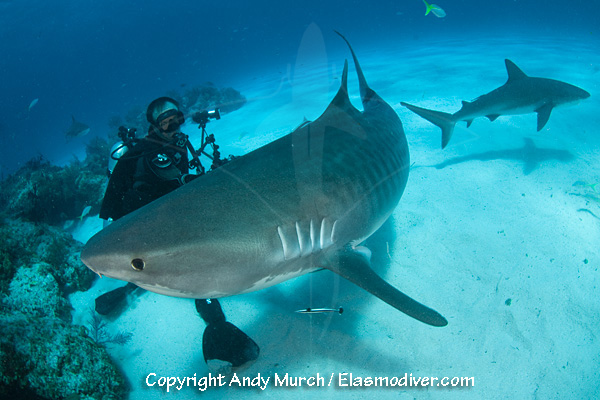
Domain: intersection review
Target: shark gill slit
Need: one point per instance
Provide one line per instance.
(313, 235)
(300, 238)
(283, 243)
(333, 231)
(321, 237)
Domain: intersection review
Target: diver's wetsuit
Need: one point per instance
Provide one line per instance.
(146, 172)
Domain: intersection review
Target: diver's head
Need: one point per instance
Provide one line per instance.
(165, 117)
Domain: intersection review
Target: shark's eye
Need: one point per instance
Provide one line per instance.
(137, 264)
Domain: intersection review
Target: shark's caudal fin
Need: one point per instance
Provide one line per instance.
(356, 268)
(444, 120)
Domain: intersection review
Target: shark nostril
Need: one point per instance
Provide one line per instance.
(137, 264)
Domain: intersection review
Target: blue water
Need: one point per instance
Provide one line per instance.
(96, 59)
(499, 215)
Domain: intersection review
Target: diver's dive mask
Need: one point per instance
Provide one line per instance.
(170, 121)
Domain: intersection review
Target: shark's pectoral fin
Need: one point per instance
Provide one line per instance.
(543, 115)
(469, 122)
(356, 267)
(492, 117)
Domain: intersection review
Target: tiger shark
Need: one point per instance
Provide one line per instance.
(301, 203)
(521, 94)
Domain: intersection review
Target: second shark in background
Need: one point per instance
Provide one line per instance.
(521, 94)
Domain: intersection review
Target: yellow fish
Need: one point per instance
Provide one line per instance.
(435, 9)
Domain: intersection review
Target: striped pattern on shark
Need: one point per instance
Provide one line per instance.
(301, 203)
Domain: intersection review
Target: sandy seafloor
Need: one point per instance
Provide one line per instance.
(495, 220)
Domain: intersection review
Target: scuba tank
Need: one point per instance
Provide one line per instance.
(119, 149)
(116, 152)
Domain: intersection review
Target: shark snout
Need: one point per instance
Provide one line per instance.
(90, 264)
(578, 93)
(99, 260)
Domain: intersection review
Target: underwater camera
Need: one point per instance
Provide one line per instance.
(203, 117)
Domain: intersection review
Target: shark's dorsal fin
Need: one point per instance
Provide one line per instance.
(467, 105)
(342, 95)
(514, 72)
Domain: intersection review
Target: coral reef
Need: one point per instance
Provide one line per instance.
(42, 355)
(42, 192)
(99, 333)
(41, 352)
(209, 97)
(193, 99)
(23, 242)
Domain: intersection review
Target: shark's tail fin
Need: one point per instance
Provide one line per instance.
(441, 119)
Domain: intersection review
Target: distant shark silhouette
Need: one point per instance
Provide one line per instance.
(521, 94)
(531, 156)
(76, 129)
(296, 205)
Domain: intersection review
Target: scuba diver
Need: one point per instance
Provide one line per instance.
(147, 169)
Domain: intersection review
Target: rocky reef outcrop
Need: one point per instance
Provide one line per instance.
(45, 193)
(42, 355)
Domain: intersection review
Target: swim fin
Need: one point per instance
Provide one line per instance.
(222, 340)
(113, 300)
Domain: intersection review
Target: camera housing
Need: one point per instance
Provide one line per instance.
(203, 117)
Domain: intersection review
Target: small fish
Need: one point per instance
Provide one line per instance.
(33, 103)
(590, 185)
(435, 9)
(85, 212)
(319, 310)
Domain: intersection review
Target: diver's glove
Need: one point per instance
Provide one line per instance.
(113, 301)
